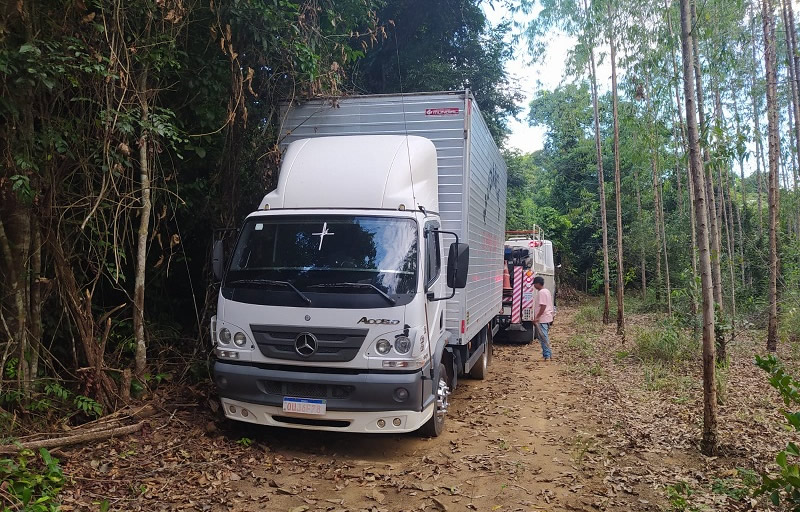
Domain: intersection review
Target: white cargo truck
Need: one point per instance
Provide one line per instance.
(369, 281)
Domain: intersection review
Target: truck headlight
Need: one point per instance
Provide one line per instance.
(383, 347)
(224, 336)
(402, 344)
(239, 339)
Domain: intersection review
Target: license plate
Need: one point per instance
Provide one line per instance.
(304, 406)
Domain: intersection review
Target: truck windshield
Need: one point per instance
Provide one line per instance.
(331, 261)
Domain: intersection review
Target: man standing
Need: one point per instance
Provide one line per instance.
(543, 315)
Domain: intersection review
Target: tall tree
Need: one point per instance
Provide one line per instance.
(601, 183)
(770, 64)
(617, 178)
(709, 439)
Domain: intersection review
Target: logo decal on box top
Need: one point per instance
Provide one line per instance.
(450, 111)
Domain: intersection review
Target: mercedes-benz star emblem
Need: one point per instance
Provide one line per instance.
(305, 344)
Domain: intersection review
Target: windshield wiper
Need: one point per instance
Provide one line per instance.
(357, 285)
(272, 282)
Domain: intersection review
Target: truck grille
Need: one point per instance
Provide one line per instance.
(333, 344)
(306, 390)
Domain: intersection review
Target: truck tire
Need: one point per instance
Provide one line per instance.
(528, 336)
(480, 369)
(435, 425)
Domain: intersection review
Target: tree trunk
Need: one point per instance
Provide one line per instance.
(643, 260)
(35, 313)
(144, 225)
(708, 443)
(792, 31)
(656, 208)
(680, 111)
(756, 125)
(601, 182)
(791, 48)
(617, 181)
(742, 191)
(770, 60)
(714, 230)
(666, 251)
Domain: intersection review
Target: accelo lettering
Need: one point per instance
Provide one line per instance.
(377, 321)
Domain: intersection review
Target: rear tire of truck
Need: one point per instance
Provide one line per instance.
(435, 425)
(480, 369)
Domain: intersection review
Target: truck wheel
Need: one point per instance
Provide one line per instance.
(481, 365)
(530, 333)
(435, 426)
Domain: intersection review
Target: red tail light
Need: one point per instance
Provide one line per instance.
(463, 326)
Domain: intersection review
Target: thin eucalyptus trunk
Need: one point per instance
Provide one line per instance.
(617, 180)
(795, 52)
(35, 287)
(642, 258)
(726, 208)
(144, 225)
(708, 443)
(601, 183)
(743, 192)
(656, 214)
(666, 252)
(770, 60)
(791, 55)
(714, 231)
(680, 111)
(757, 126)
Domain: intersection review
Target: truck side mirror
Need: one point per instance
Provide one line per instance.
(457, 265)
(218, 260)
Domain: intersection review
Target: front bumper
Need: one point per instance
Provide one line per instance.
(395, 422)
(349, 397)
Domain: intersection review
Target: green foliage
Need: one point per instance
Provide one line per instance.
(736, 489)
(32, 483)
(88, 406)
(665, 343)
(678, 495)
(786, 485)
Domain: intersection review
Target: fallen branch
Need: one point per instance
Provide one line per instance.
(73, 439)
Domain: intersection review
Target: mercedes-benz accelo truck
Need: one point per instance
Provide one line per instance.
(369, 281)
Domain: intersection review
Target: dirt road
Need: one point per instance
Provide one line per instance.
(518, 440)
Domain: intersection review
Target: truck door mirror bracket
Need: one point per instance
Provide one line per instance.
(457, 266)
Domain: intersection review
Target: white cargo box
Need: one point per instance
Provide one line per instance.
(472, 178)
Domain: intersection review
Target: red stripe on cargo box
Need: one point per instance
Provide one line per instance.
(516, 309)
(449, 111)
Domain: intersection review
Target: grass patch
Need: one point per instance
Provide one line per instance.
(582, 344)
(659, 376)
(621, 355)
(590, 316)
(664, 343)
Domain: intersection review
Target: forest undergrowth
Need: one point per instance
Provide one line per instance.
(647, 391)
